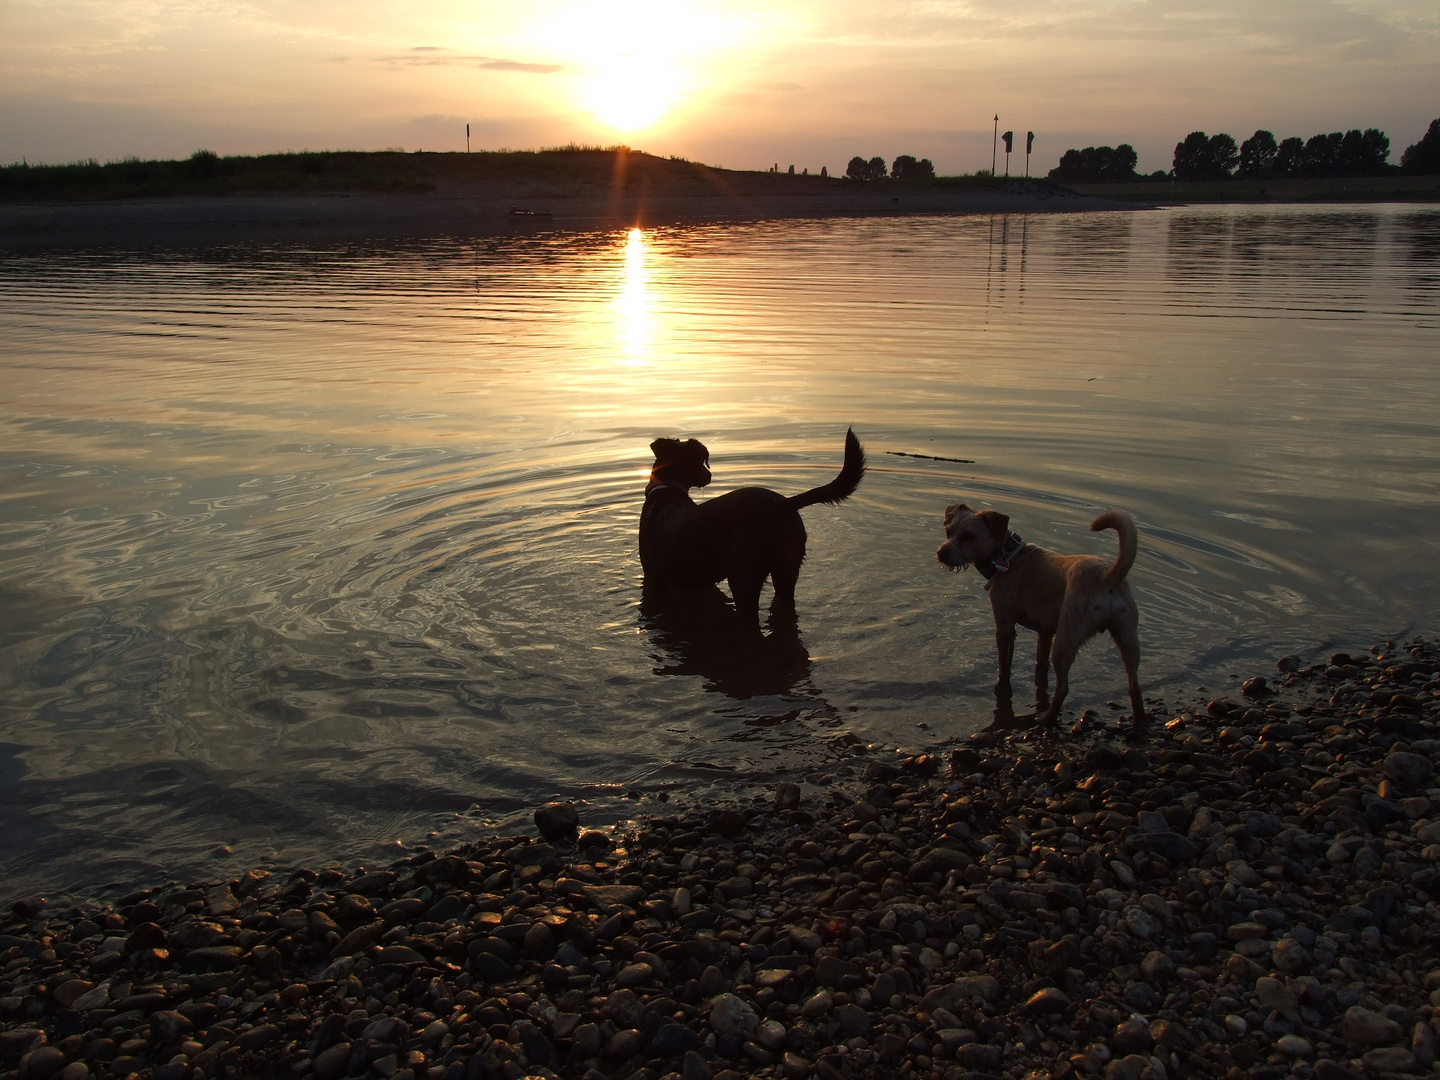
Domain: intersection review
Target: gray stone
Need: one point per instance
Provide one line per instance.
(1290, 957)
(730, 1015)
(984, 987)
(1050, 1001)
(694, 1067)
(817, 1006)
(1157, 967)
(1273, 994)
(1422, 1043)
(1131, 1037)
(624, 1044)
(625, 1008)
(41, 1063)
(1360, 1025)
(1389, 1059)
(854, 1021)
(1410, 771)
(1139, 922)
(333, 1063)
(1129, 1067)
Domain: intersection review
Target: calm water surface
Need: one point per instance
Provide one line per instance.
(307, 551)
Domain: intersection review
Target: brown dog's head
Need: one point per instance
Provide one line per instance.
(680, 464)
(971, 537)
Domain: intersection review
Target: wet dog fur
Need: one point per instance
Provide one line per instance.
(741, 537)
(1065, 599)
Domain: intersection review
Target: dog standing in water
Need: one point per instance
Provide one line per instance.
(1065, 599)
(741, 537)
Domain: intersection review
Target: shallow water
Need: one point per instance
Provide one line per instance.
(307, 551)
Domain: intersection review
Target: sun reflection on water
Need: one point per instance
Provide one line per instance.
(633, 302)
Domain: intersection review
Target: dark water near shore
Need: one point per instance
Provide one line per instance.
(306, 551)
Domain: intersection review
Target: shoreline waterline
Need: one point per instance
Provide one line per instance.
(196, 220)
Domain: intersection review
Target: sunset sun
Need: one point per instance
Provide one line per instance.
(629, 95)
(638, 60)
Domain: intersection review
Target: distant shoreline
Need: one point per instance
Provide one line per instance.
(208, 219)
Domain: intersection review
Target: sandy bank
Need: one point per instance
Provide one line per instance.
(481, 211)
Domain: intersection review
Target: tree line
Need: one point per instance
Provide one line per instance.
(1218, 157)
(905, 167)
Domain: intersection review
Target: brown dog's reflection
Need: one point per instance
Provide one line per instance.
(698, 632)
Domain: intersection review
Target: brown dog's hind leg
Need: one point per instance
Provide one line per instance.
(1042, 668)
(1127, 641)
(1062, 655)
(745, 591)
(784, 576)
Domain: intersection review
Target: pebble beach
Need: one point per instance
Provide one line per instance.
(1243, 887)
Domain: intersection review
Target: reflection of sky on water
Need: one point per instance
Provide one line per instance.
(346, 537)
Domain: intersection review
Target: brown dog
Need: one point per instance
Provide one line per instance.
(743, 536)
(1066, 599)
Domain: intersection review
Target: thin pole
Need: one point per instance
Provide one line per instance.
(467, 138)
(994, 144)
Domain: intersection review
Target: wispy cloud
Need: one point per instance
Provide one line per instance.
(435, 56)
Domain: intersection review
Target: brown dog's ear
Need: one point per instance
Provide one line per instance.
(665, 448)
(953, 511)
(999, 524)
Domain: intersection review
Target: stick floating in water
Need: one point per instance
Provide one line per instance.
(932, 457)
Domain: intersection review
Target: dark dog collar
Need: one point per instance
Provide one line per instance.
(1000, 561)
(660, 485)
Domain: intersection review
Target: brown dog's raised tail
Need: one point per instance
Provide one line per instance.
(844, 485)
(1123, 524)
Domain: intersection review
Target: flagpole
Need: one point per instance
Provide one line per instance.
(994, 145)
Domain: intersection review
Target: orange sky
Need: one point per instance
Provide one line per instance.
(742, 84)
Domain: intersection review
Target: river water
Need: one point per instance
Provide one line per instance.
(307, 553)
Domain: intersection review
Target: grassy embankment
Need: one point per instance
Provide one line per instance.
(1339, 189)
(395, 171)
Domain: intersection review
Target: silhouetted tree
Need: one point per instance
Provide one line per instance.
(1364, 153)
(1290, 156)
(1205, 157)
(1423, 158)
(1096, 165)
(1257, 154)
(860, 169)
(906, 167)
(1322, 155)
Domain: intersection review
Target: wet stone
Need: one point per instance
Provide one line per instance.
(558, 821)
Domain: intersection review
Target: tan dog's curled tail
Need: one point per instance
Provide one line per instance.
(1123, 524)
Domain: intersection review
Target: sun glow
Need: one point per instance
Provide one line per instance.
(630, 98)
(638, 60)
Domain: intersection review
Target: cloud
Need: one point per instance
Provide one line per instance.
(516, 65)
(487, 63)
